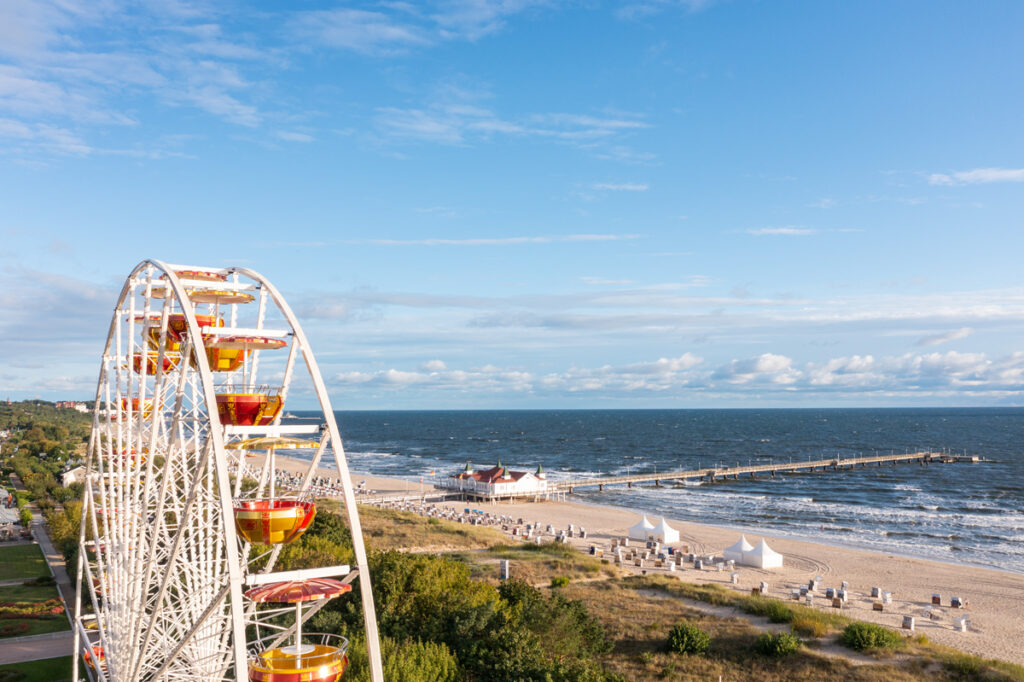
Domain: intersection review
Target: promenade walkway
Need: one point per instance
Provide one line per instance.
(33, 647)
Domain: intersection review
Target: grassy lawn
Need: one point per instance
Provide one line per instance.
(34, 594)
(21, 562)
(45, 670)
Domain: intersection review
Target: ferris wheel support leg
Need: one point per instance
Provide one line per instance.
(351, 513)
(365, 587)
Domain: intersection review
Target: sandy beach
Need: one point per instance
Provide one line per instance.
(996, 597)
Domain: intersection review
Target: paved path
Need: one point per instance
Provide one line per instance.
(57, 643)
(34, 647)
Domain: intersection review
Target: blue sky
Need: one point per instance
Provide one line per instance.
(534, 204)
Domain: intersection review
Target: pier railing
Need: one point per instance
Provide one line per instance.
(719, 472)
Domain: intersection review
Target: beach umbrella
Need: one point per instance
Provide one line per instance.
(237, 342)
(296, 592)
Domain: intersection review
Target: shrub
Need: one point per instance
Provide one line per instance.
(777, 646)
(808, 627)
(41, 581)
(864, 636)
(560, 581)
(688, 639)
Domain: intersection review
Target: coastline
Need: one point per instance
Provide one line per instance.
(738, 530)
(996, 620)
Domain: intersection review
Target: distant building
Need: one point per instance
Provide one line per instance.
(72, 405)
(76, 475)
(497, 481)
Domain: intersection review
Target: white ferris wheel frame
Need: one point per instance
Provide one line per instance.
(228, 602)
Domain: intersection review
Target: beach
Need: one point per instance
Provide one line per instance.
(995, 597)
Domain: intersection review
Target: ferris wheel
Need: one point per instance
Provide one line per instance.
(177, 555)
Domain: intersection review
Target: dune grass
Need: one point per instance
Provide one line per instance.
(537, 564)
(391, 529)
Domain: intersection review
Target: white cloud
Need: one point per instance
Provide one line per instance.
(684, 376)
(824, 203)
(397, 27)
(770, 367)
(936, 339)
(664, 366)
(359, 30)
(76, 64)
(785, 231)
(621, 187)
(455, 113)
(977, 176)
(486, 378)
(454, 121)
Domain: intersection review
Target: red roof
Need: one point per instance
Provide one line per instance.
(495, 474)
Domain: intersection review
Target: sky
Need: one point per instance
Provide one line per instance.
(534, 204)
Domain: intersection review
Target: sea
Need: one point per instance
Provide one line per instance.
(961, 513)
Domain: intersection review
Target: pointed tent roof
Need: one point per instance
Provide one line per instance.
(741, 545)
(735, 552)
(762, 556)
(666, 532)
(642, 529)
(540, 471)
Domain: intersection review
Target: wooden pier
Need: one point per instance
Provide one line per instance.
(712, 474)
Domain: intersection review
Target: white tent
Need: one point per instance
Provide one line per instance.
(762, 556)
(641, 530)
(735, 552)
(665, 533)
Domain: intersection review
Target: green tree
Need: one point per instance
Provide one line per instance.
(408, 661)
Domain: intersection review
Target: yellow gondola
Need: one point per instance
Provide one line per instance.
(177, 330)
(322, 663)
(227, 353)
(201, 275)
(255, 408)
(273, 522)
